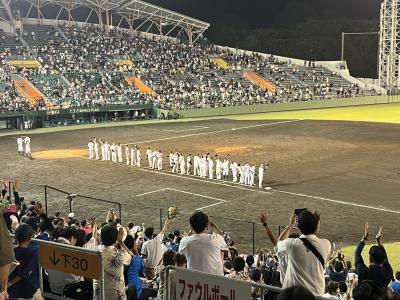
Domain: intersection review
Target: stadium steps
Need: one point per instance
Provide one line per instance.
(26, 89)
(141, 86)
(259, 81)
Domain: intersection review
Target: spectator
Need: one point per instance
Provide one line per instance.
(135, 271)
(396, 282)
(337, 268)
(333, 290)
(296, 292)
(24, 280)
(379, 270)
(369, 290)
(114, 260)
(167, 260)
(58, 280)
(152, 250)
(306, 255)
(203, 251)
(6, 258)
(238, 271)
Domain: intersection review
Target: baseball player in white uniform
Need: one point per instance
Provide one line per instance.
(205, 166)
(107, 149)
(175, 163)
(225, 169)
(96, 148)
(91, 149)
(159, 159)
(119, 152)
(252, 175)
(127, 155)
(134, 156)
(247, 174)
(218, 168)
(188, 164)
(138, 157)
(149, 155)
(241, 173)
(171, 160)
(154, 162)
(27, 142)
(113, 153)
(234, 169)
(210, 168)
(196, 169)
(103, 152)
(260, 175)
(20, 147)
(182, 164)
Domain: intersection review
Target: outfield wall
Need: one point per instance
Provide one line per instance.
(277, 107)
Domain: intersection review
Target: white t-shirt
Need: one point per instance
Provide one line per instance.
(203, 252)
(303, 267)
(154, 251)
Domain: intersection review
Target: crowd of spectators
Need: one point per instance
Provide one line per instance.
(135, 257)
(81, 68)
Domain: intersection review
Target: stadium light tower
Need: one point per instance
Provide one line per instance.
(389, 45)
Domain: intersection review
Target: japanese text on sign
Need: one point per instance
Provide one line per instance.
(70, 261)
(197, 286)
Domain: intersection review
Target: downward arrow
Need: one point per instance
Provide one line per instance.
(53, 259)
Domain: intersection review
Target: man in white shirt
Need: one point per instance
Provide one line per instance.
(96, 148)
(154, 156)
(119, 152)
(138, 156)
(149, 155)
(210, 168)
(133, 156)
(204, 251)
(304, 268)
(27, 142)
(20, 147)
(153, 250)
(196, 169)
(234, 168)
(127, 155)
(159, 159)
(91, 149)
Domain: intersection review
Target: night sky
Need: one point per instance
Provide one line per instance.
(308, 29)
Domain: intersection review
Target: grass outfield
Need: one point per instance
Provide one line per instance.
(388, 113)
(392, 250)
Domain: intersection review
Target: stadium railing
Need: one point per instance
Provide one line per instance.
(193, 282)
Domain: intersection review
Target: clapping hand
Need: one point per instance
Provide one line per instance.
(379, 236)
(263, 217)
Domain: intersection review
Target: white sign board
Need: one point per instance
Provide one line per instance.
(199, 286)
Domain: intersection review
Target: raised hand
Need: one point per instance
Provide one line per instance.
(263, 217)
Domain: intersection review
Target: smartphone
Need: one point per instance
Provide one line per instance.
(172, 212)
(298, 211)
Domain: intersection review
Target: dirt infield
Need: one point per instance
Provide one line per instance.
(349, 171)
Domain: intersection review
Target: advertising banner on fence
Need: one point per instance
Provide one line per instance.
(198, 286)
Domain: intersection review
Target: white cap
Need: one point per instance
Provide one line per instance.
(71, 215)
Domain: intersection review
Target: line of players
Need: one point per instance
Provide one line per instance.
(204, 166)
(24, 146)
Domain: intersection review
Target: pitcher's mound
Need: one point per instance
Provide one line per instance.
(60, 153)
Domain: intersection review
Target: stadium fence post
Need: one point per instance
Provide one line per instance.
(254, 238)
(161, 219)
(120, 212)
(70, 205)
(9, 190)
(45, 198)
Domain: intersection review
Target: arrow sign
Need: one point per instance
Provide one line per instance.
(70, 260)
(53, 259)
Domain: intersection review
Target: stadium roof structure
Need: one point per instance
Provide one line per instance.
(133, 14)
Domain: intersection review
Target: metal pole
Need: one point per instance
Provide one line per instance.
(70, 205)
(9, 189)
(120, 212)
(254, 238)
(161, 219)
(45, 198)
(342, 56)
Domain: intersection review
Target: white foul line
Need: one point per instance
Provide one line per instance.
(338, 201)
(199, 195)
(210, 132)
(151, 192)
(211, 205)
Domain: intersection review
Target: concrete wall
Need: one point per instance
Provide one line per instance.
(278, 107)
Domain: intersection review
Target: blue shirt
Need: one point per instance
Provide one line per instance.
(135, 269)
(396, 286)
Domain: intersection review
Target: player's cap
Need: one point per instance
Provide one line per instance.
(71, 215)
